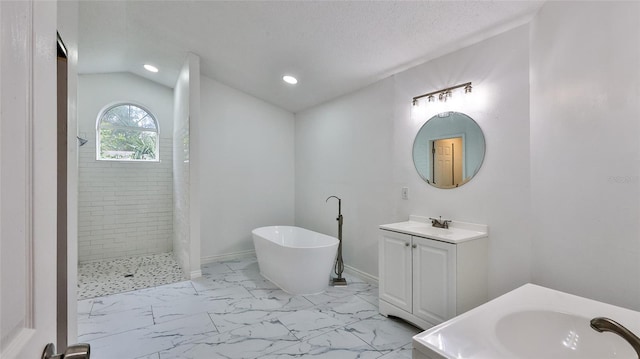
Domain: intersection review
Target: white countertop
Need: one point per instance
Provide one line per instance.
(456, 233)
(530, 322)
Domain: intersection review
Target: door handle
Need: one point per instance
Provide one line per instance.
(414, 246)
(406, 244)
(76, 351)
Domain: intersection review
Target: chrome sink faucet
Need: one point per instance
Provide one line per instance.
(601, 324)
(440, 223)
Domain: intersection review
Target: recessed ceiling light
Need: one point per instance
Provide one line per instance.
(150, 68)
(290, 79)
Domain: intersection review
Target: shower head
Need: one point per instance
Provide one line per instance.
(81, 141)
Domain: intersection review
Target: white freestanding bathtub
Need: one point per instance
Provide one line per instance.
(297, 260)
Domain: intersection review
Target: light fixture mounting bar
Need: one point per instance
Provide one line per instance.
(441, 91)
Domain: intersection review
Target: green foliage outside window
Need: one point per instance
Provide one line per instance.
(128, 132)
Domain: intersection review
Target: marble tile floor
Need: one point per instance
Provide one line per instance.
(233, 312)
(100, 278)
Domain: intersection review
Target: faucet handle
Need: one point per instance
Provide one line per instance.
(440, 223)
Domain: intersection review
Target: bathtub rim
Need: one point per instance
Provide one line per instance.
(334, 243)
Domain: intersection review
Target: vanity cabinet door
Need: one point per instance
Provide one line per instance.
(395, 281)
(434, 280)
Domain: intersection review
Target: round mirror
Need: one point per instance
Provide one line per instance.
(448, 150)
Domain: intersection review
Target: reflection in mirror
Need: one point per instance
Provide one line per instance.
(448, 150)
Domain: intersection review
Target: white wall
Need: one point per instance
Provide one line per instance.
(359, 146)
(125, 208)
(345, 148)
(585, 149)
(195, 138)
(186, 191)
(246, 169)
(181, 154)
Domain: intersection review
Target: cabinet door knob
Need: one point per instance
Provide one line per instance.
(406, 244)
(414, 246)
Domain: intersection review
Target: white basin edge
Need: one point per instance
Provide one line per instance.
(481, 320)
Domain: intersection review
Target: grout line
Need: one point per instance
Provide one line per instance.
(364, 341)
(153, 316)
(214, 323)
(313, 305)
(194, 287)
(93, 302)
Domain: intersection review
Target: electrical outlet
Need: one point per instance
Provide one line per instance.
(405, 192)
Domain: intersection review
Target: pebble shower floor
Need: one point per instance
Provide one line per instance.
(97, 279)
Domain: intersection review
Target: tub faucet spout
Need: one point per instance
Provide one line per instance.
(339, 219)
(601, 324)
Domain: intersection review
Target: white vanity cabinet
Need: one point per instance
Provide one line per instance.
(427, 280)
(395, 270)
(434, 280)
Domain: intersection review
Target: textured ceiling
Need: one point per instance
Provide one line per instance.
(332, 47)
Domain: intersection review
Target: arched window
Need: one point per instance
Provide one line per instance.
(127, 132)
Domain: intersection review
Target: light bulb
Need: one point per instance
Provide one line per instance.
(289, 79)
(150, 68)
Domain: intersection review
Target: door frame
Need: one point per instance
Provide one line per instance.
(464, 152)
(62, 118)
(67, 27)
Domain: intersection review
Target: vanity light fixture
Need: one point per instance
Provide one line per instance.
(150, 68)
(443, 94)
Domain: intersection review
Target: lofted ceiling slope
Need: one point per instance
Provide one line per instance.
(332, 47)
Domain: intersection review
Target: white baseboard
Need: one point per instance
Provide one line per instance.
(195, 274)
(227, 257)
(250, 253)
(360, 274)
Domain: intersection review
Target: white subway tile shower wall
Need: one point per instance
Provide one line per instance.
(125, 208)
